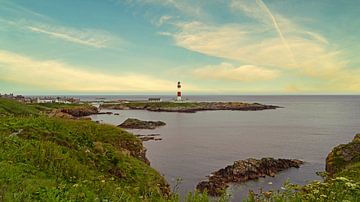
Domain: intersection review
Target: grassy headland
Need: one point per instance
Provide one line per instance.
(54, 159)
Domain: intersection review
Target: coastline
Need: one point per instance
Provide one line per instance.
(187, 107)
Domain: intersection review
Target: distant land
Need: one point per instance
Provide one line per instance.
(189, 107)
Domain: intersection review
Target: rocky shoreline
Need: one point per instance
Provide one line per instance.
(187, 107)
(244, 170)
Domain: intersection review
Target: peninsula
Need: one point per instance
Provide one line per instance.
(189, 107)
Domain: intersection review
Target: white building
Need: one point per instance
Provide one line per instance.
(154, 100)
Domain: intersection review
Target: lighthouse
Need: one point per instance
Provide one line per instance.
(178, 98)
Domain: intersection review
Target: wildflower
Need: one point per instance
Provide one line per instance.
(268, 194)
(342, 179)
(103, 181)
(270, 183)
(350, 185)
(283, 188)
(323, 196)
(75, 185)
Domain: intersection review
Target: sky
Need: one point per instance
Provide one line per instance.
(211, 46)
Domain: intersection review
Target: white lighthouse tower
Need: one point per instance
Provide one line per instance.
(178, 98)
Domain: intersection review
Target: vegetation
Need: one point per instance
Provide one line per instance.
(52, 159)
(341, 182)
(11, 107)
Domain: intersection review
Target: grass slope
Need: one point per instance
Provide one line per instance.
(52, 159)
(12, 107)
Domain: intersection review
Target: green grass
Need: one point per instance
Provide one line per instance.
(351, 171)
(71, 160)
(53, 159)
(12, 107)
(15, 108)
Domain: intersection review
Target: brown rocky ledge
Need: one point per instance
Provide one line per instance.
(139, 124)
(74, 113)
(81, 111)
(244, 170)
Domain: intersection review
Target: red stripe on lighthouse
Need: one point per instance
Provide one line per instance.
(179, 94)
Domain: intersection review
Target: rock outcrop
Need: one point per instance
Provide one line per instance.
(74, 113)
(81, 111)
(139, 124)
(145, 138)
(244, 170)
(59, 114)
(343, 155)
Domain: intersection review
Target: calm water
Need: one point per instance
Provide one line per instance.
(196, 144)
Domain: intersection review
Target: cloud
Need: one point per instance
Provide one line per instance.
(54, 75)
(272, 41)
(163, 19)
(16, 9)
(88, 37)
(226, 71)
(186, 7)
(253, 44)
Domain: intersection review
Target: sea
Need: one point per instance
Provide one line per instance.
(193, 145)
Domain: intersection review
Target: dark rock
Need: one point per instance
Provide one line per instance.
(244, 170)
(116, 172)
(154, 135)
(138, 124)
(146, 138)
(149, 137)
(81, 111)
(343, 155)
(108, 113)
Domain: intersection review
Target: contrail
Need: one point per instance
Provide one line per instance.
(263, 6)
